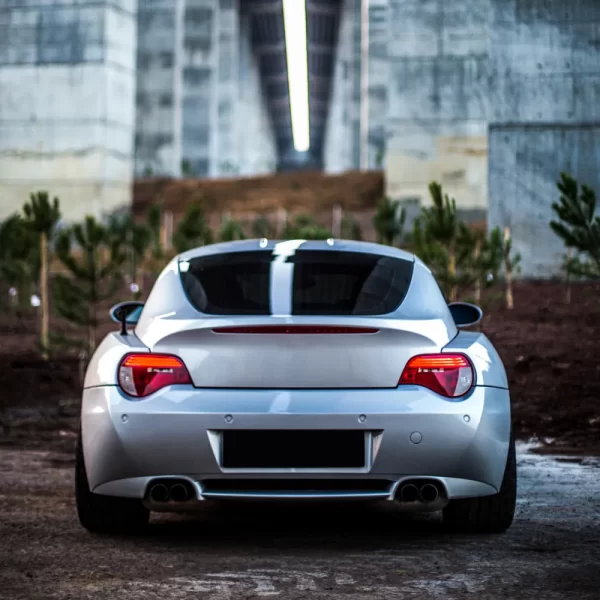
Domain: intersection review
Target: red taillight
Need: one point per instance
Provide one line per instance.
(449, 375)
(304, 329)
(143, 374)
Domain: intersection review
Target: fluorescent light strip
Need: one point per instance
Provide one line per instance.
(294, 20)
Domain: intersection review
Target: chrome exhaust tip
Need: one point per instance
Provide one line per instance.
(409, 493)
(159, 493)
(179, 492)
(429, 493)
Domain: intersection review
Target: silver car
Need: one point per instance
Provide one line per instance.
(295, 370)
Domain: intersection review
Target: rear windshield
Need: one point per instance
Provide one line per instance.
(322, 283)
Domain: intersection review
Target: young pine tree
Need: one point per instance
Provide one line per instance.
(192, 231)
(578, 226)
(350, 228)
(262, 228)
(231, 230)
(93, 259)
(304, 227)
(436, 237)
(137, 238)
(19, 260)
(42, 217)
(388, 222)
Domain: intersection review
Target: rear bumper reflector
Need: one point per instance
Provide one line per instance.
(294, 329)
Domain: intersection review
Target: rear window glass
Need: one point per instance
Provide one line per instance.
(322, 283)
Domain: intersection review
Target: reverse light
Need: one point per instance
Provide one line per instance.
(143, 374)
(449, 375)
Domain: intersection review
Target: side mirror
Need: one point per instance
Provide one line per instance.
(465, 314)
(126, 313)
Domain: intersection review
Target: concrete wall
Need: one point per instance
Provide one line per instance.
(544, 118)
(256, 144)
(378, 81)
(67, 90)
(159, 87)
(341, 151)
(200, 107)
(437, 100)
(200, 76)
(227, 159)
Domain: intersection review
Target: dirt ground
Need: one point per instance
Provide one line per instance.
(552, 550)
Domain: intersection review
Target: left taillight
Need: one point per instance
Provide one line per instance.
(449, 375)
(140, 375)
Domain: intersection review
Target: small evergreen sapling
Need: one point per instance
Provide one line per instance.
(192, 231)
(19, 260)
(137, 238)
(93, 259)
(304, 227)
(350, 229)
(262, 228)
(436, 236)
(389, 222)
(479, 260)
(578, 226)
(42, 217)
(231, 230)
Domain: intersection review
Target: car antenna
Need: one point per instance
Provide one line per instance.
(123, 323)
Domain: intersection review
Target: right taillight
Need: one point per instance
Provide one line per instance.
(449, 375)
(143, 374)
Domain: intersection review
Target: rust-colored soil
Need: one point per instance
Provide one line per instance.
(245, 199)
(302, 191)
(550, 352)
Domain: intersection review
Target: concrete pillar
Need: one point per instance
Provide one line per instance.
(67, 101)
(200, 77)
(201, 111)
(341, 151)
(256, 144)
(544, 118)
(437, 101)
(378, 81)
(159, 87)
(227, 158)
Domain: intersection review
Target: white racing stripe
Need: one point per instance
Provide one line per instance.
(282, 277)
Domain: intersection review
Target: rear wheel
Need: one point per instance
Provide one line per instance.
(488, 514)
(105, 514)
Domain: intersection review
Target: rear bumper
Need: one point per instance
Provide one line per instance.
(177, 431)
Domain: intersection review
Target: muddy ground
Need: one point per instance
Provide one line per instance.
(552, 552)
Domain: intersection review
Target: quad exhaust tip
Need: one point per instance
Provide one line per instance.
(179, 493)
(159, 493)
(409, 493)
(429, 493)
(418, 492)
(164, 492)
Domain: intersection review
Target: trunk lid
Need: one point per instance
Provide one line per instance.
(283, 355)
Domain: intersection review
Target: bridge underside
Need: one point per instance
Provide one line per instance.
(94, 93)
(268, 37)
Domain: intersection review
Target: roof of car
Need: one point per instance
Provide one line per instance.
(290, 245)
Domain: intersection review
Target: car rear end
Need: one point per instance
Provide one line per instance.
(296, 370)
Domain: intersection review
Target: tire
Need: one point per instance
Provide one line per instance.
(105, 514)
(488, 514)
